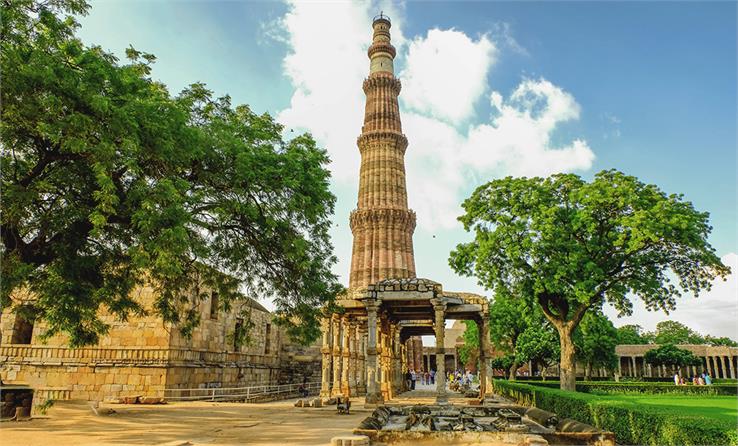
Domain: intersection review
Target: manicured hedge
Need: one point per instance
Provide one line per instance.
(645, 388)
(631, 424)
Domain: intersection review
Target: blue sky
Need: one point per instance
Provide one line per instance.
(647, 88)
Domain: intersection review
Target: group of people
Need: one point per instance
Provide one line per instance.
(425, 377)
(455, 378)
(697, 380)
(462, 378)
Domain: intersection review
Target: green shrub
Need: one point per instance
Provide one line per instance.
(644, 388)
(631, 424)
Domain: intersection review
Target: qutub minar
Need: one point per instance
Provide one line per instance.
(368, 347)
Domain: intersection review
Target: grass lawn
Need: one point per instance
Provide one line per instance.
(721, 408)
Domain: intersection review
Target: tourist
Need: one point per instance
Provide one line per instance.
(700, 381)
(432, 376)
(426, 378)
(413, 377)
(676, 379)
(708, 379)
(408, 380)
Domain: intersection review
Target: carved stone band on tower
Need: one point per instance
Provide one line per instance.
(382, 224)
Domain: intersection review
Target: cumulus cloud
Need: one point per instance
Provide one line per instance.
(443, 163)
(446, 73)
(714, 312)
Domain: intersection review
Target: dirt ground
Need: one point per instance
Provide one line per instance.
(193, 423)
(196, 423)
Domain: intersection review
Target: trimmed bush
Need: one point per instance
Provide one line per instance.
(630, 423)
(645, 388)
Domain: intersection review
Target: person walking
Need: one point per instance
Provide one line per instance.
(433, 376)
(413, 377)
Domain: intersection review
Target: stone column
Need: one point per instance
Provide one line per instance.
(397, 360)
(336, 322)
(353, 357)
(710, 370)
(620, 367)
(325, 378)
(345, 355)
(410, 353)
(373, 394)
(725, 368)
(483, 352)
(439, 307)
(361, 373)
(730, 368)
(633, 369)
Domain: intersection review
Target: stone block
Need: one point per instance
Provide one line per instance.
(151, 400)
(350, 440)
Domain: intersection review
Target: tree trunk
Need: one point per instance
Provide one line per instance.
(511, 372)
(568, 366)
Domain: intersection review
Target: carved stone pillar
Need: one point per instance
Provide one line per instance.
(731, 367)
(725, 368)
(633, 370)
(439, 307)
(325, 350)
(345, 355)
(373, 394)
(483, 352)
(354, 357)
(336, 323)
(361, 382)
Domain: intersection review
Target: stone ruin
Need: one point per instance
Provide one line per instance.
(501, 424)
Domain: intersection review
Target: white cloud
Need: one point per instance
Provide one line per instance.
(326, 66)
(713, 312)
(446, 73)
(444, 164)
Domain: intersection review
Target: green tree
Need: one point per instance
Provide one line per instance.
(595, 340)
(632, 334)
(502, 363)
(671, 356)
(107, 180)
(673, 332)
(539, 344)
(509, 318)
(470, 350)
(718, 341)
(571, 245)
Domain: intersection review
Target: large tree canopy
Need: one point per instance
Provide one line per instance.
(570, 245)
(107, 181)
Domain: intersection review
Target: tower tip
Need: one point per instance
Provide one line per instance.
(381, 16)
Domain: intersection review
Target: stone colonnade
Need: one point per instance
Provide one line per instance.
(362, 355)
(722, 366)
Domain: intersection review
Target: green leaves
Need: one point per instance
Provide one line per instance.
(107, 179)
(671, 356)
(570, 245)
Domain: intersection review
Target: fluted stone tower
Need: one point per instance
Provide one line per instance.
(382, 224)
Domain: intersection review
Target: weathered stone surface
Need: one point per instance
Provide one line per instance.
(350, 440)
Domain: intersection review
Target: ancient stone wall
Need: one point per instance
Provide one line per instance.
(144, 356)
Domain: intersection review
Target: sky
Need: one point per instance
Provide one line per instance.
(490, 89)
